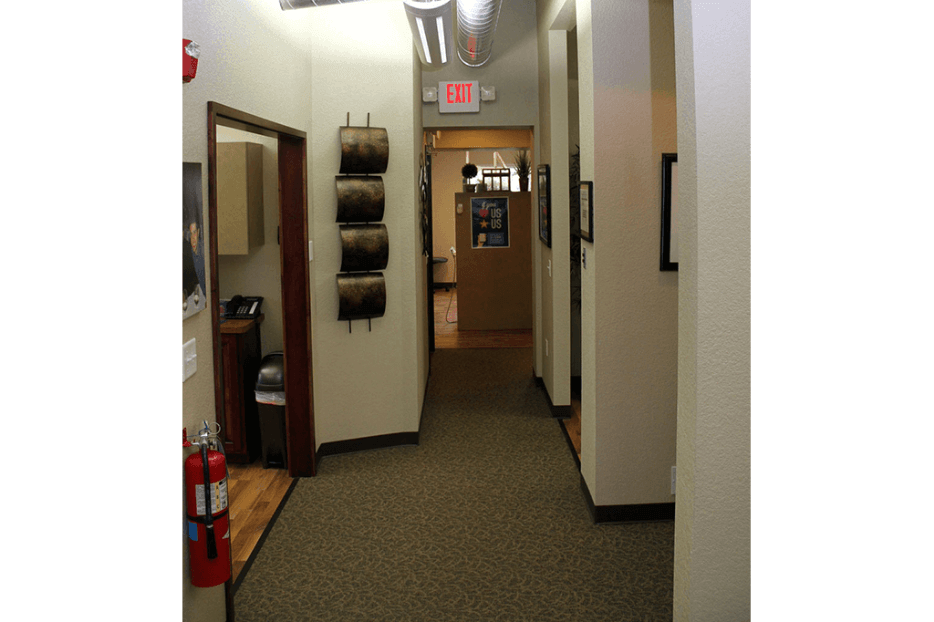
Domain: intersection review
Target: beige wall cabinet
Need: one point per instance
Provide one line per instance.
(239, 198)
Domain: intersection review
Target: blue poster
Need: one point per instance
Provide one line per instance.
(489, 222)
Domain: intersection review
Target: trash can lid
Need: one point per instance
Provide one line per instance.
(271, 375)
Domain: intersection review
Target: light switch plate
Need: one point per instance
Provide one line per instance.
(311, 252)
(189, 360)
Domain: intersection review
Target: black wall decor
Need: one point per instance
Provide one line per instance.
(361, 200)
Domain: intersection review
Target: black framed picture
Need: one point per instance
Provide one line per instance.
(544, 203)
(669, 257)
(586, 203)
(489, 218)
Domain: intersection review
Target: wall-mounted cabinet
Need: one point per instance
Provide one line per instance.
(239, 198)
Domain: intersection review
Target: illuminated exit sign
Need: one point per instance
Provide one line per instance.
(459, 96)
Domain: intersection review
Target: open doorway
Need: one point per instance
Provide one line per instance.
(273, 265)
(493, 152)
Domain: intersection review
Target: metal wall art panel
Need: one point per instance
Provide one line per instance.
(361, 296)
(364, 248)
(360, 199)
(364, 150)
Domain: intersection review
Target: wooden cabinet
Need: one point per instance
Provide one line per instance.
(239, 198)
(241, 355)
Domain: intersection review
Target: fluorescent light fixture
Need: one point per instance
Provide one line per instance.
(431, 22)
(287, 5)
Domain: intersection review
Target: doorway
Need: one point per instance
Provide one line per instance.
(295, 296)
(295, 299)
(493, 152)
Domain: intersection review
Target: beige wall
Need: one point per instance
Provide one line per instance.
(241, 45)
(367, 383)
(712, 522)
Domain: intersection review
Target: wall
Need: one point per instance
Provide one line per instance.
(634, 341)
(367, 383)
(283, 66)
(239, 43)
(712, 522)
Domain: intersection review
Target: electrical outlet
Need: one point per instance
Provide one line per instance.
(584, 257)
(549, 267)
(674, 479)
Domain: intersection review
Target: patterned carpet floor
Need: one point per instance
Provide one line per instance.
(484, 520)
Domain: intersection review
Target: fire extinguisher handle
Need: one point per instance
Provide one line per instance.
(208, 514)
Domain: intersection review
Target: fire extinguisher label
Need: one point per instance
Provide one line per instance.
(218, 497)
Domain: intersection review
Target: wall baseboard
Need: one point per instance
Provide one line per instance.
(558, 412)
(381, 441)
(640, 512)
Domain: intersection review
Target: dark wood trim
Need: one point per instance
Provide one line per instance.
(370, 442)
(558, 412)
(296, 297)
(296, 305)
(633, 513)
(231, 117)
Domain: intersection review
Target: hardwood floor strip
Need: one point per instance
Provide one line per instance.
(272, 521)
(255, 494)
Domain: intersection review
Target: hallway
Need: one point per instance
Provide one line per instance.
(484, 520)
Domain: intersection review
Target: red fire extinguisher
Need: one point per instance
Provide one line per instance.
(208, 521)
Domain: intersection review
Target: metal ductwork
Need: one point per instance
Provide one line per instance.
(287, 5)
(476, 23)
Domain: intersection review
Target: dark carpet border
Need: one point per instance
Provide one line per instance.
(381, 441)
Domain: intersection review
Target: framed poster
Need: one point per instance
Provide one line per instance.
(489, 222)
(194, 286)
(586, 203)
(544, 203)
(669, 256)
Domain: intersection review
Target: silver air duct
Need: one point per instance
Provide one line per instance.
(476, 23)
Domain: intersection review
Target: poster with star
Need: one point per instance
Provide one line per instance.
(489, 222)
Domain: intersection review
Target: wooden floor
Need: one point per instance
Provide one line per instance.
(255, 494)
(448, 336)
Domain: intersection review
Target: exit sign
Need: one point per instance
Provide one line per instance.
(459, 96)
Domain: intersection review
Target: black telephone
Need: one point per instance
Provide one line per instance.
(243, 307)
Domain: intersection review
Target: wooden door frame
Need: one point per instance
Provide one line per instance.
(296, 299)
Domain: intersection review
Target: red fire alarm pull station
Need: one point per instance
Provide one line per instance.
(190, 53)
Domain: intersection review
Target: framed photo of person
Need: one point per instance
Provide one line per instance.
(544, 203)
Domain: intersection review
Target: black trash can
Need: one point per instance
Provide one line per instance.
(270, 401)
